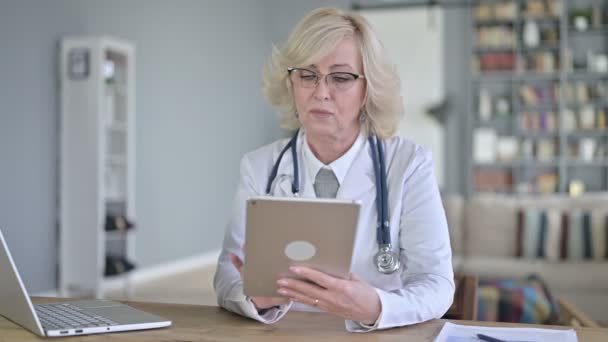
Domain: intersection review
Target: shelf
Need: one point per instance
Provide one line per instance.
(115, 281)
(596, 163)
(538, 76)
(117, 127)
(592, 31)
(507, 76)
(586, 75)
(517, 163)
(541, 48)
(116, 159)
(596, 133)
(515, 21)
(495, 76)
(539, 19)
(543, 107)
(495, 49)
(117, 88)
(115, 198)
(497, 190)
(117, 235)
(494, 121)
(496, 22)
(537, 135)
(596, 103)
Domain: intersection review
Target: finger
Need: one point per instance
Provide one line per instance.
(289, 286)
(236, 261)
(304, 298)
(318, 277)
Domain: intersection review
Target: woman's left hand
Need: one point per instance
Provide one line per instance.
(352, 299)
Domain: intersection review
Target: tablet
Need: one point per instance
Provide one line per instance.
(281, 232)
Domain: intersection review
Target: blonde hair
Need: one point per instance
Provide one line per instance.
(315, 36)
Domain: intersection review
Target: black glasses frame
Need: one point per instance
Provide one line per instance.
(324, 76)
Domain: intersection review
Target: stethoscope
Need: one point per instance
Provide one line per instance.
(386, 260)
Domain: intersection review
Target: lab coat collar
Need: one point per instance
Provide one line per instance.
(359, 178)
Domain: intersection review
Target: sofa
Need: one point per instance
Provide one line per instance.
(484, 236)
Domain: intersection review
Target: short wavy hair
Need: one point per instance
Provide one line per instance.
(315, 36)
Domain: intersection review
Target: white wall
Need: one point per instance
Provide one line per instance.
(414, 40)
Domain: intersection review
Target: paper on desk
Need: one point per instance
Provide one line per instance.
(468, 333)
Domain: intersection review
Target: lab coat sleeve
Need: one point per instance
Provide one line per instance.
(227, 281)
(426, 255)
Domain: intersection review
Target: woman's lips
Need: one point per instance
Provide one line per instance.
(322, 113)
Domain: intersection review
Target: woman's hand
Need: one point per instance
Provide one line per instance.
(259, 302)
(351, 299)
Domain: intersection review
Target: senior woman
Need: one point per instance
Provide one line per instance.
(334, 86)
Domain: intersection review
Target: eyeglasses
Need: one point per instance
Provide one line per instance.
(340, 81)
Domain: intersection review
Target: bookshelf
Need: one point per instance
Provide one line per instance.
(97, 165)
(538, 96)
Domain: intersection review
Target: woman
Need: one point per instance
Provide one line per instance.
(332, 81)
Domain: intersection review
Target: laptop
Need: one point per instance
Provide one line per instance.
(281, 232)
(67, 318)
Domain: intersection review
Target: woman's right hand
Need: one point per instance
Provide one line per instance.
(259, 302)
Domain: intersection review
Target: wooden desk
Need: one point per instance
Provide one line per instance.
(207, 323)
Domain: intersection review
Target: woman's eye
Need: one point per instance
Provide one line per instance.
(342, 79)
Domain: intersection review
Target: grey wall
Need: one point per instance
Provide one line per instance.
(29, 132)
(198, 109)
(285, 14)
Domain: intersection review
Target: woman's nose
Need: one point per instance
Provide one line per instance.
(322, 90)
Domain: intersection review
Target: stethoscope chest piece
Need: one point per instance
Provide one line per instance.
(387, 261)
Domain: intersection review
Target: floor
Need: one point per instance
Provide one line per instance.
(192, 287)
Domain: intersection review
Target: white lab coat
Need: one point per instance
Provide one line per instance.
(421, 290)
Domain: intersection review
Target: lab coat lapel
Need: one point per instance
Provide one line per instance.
(359, 179)
(283, 181)
(285, 175)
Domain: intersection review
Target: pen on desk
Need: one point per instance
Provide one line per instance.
(489, 338)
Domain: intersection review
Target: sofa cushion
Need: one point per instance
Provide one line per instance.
(562, 234)
(454, 206)
(491, 219)
(580, 276)
(516, 300)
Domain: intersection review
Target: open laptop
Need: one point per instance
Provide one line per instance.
(281, 232)
(68, 318)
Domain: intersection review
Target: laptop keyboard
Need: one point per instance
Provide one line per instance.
(67, 316)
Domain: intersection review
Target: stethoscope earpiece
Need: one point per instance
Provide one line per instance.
(386, 260)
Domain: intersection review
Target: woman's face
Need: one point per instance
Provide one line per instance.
(326, 110)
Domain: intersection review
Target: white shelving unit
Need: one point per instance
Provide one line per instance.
(97, 172)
